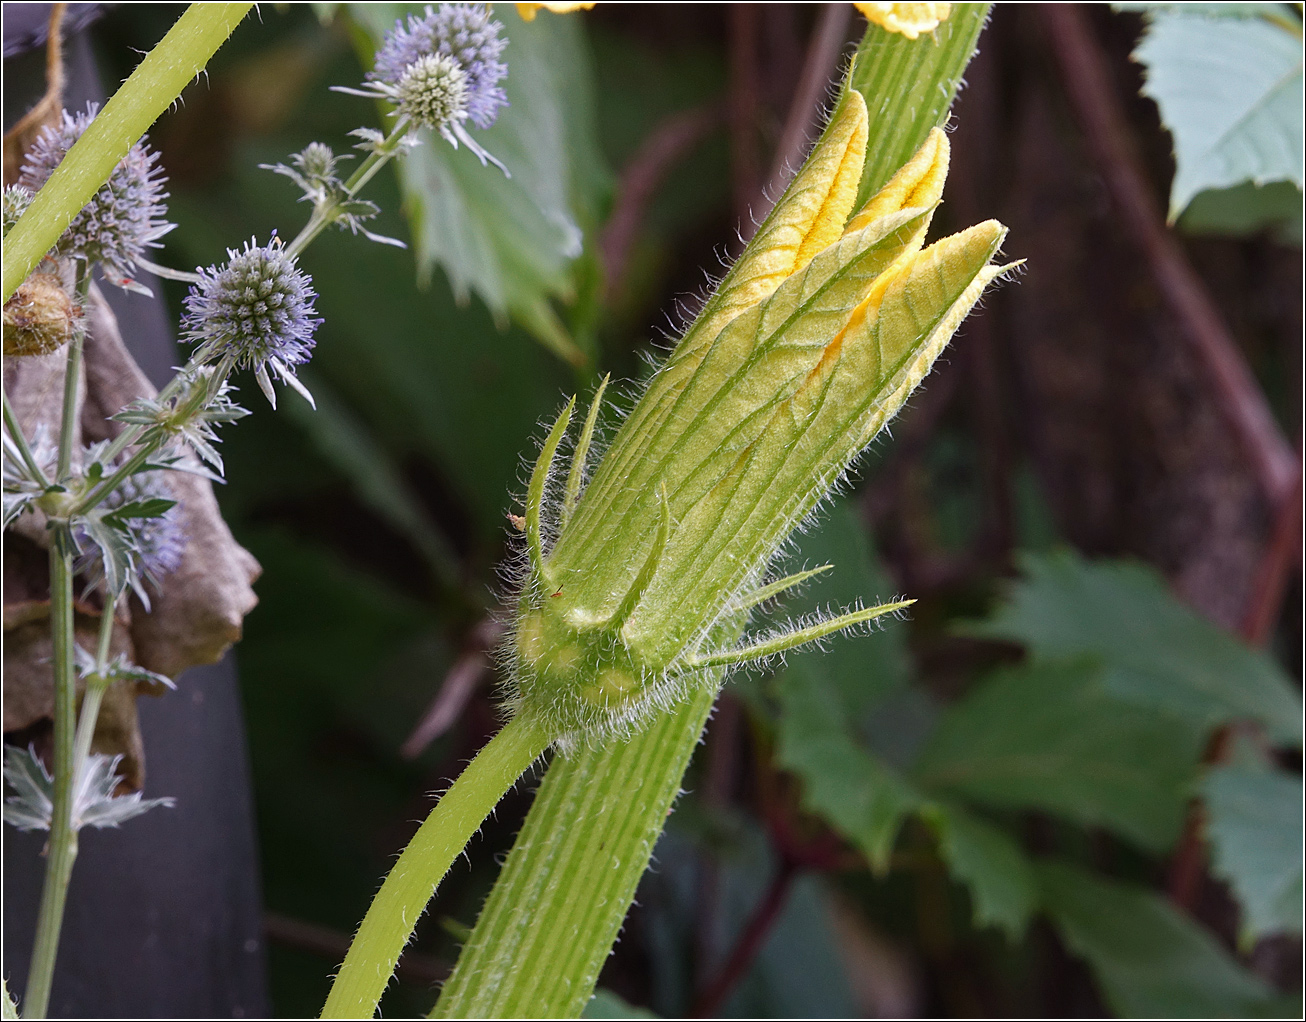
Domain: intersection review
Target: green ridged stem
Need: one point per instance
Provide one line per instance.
(412, 881)
(909, 86)
(554, 914)
(151, 89)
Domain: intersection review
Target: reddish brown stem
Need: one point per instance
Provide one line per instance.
(669, 143)
(819, 68)
(750, 942)
(1105, 128)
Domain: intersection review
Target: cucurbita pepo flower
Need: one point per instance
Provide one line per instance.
(810, 344)
(528, 11)
(124, 219)
(256, 312)
(910, 20)
(441, 69)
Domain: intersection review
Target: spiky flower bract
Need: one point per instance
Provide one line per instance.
(256, 312)
(156, 541)
(466, 33)
(123, 219)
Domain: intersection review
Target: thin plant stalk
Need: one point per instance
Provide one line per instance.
(72, 377)
(20, 441)
(61, 852)
(324, 215)
(410, 884)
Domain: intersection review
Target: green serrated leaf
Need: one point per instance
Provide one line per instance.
(990, 863)
(8, 1007)
(1230, 91)
(1157, 652)
(114, 543)
(512, 241)
(1150, 960)
(1254, 824)
(863, 798)
(1052, 737)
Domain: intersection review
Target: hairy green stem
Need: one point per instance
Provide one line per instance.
(552, 917)
(61, 851)
(152, 87)
(412, 881)
(20, 441)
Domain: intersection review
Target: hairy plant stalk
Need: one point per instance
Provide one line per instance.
(152, 87)
(61, 851)
(540, 942)
(412, 881)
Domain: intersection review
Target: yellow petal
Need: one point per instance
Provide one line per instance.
(918, 184)
(910, 20)
(528, 11)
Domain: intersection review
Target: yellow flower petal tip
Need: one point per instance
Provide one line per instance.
(528, 11)
(919, 184)
(910, 20)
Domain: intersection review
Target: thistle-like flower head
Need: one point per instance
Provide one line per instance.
(255, 311)
(123, 219)
(442, 69)
(466, 33)
(16, 200)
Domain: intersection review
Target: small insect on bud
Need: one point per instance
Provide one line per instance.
(39, 316)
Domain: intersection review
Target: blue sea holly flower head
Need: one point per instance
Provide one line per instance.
(442, 69)
(254, 312)
(124, 219)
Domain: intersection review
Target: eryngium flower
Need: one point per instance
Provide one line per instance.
(17, 199)
(122, 220)
(255, 312)
(157, 543)
(811, 343)
(432, 91)
(469, 35)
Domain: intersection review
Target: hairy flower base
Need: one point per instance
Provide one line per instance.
(810, 345)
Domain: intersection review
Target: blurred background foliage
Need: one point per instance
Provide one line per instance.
(1070, 784)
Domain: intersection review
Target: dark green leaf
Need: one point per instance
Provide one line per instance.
(606, 1004)
(1157, 651)
(990, 863)
(1151, 961)
(1247, 209)
(1051, 737)
(842, 782)
(1254, 823)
